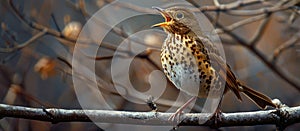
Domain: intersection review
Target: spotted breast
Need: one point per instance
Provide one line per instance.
(185, 62)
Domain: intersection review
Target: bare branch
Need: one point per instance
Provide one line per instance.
(259, 32)
(231, 8)
(269, 64)
(241, 23)
(224, 7)
(37, 26)
(259, 11)
(132, 6)
(281, 117)
(286, 45)
(20, 46)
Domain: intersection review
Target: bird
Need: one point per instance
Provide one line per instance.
(188, 55)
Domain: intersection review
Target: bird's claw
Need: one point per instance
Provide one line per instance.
(217, 118)
(176, 114)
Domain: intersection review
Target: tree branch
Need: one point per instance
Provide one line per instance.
(232, 8)
(241, 23)
(286, 45)
(225, 7)
(281, 117)
(20, 46)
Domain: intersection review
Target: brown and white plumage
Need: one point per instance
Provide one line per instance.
(188, 62)
(187, 55)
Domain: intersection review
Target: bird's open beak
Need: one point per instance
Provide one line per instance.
(165, 15)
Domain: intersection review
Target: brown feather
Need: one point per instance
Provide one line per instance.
(258, 98)
(233, 84)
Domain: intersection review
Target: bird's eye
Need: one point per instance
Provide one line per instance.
(179, 15)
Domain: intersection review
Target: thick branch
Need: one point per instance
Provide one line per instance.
(280, 117)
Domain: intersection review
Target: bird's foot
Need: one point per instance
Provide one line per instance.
(180, 110)
(176, 114)
(217, 118)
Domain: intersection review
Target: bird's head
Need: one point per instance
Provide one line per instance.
(177, 20)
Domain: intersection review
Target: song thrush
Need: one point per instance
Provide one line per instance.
(187, 51)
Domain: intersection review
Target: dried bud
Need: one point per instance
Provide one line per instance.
(278, 103)
(46, 67)
(72, 30)
(3, 26)
(100, 3)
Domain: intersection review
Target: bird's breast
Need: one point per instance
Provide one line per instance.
(185, 63)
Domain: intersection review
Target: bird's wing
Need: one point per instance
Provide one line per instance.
(223, 69)
(225, 73)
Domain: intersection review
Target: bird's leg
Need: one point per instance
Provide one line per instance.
(180, 109)
(218, 113)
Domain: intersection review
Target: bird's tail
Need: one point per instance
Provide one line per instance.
(258, 98)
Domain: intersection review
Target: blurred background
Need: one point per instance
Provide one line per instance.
(260, 39)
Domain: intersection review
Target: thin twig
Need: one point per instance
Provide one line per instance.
(230, 6)
(262, 58)
(244, 43)
(55, 22)
(241, 23)
(81, 5)
(286, 45)
(259, 32)
(216, 19)
(131, 6)
(37, 26)
(20, 46)
(260, 11)
(120, 32)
